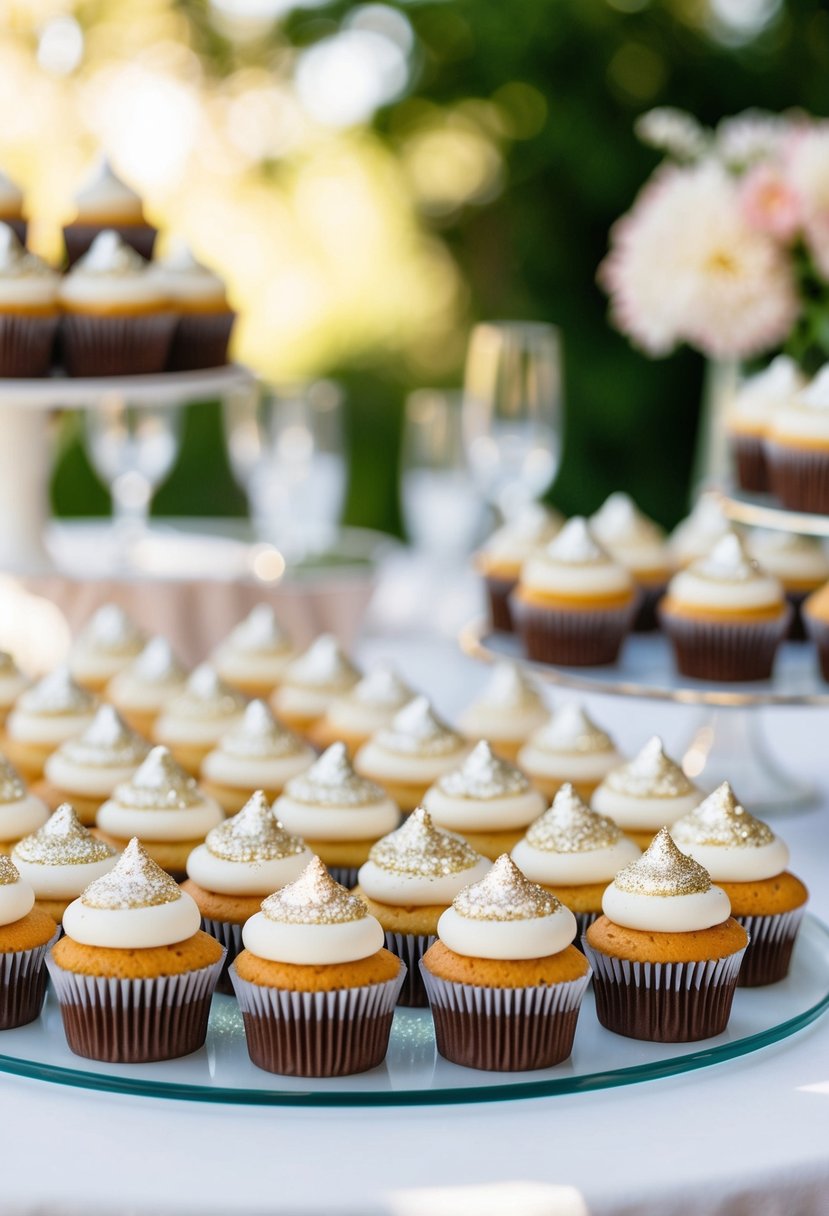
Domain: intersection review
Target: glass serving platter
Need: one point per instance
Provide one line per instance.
(413, 1073)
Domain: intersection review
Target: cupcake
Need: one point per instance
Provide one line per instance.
(12, 684)
(568, 747)
(500, 560)
(506, 713)
(815, 613)
(799, 562)
(504, 982)
(25, 936)
(797, 449)
(60, 860)
(411, 754)
(410, 879)
(116, 320)
(486, 800)
(86, 769)
(241, 861)
(107, 644)
(257, 754)
(254, 655)
(312, 681)
(638, 544)
(724, 616)
(696, 535)
(28, 309)
(645, 793)
(104, 201)
(749, 862)
(142, 690)
(366, 708)
(574, 604)
(133, 973)
(315, 985)
(666, 954)
(337, 813)
(747, 422)
(192, 723)
(44, 716)
(11, 207)
(20, 811)
(205, 318)
(574, 852)
(164, 808)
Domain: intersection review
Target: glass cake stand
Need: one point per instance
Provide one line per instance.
(764, 511)
(413, 1074)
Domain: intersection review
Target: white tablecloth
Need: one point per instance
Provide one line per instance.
(749, 1136)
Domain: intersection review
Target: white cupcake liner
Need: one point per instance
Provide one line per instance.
(228, 934)
(411, 947)
(769, 952)
(23, 984)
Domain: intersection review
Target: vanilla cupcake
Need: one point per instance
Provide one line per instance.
(574, 852)
(105, 201)
(697, 534)
(163, 806)
(366, 708)
(61, 859)
(107, 644)
(205, 318)
(192, 723)
(500, 559)
(20, 811)
(28, 309)
(646, 793)
(748, 420)
(797, 448)
(44, 716)
(487, 801)
(574, 604)
(411, 754)
(142, 690)
(506, 713)
(638, 544)
(312, 681)
(254, 655)
(86, 769)
(568, 747)
(799, 562)
(257, 754)
(11, 207)
(12, 684)
(337, 813)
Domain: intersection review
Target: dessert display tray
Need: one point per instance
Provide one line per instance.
(164, 388)
(413, 1074)
(764, 511)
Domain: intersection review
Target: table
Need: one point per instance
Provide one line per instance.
(744, 1137)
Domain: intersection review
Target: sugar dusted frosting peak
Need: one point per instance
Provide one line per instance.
(504, 894)
(254, 834)
(382, 686)
(324, 664)
(63, 840)
(419, 849)
(576, 544)
(663, 870)
(111, 630)
(8, 871)
(721, 821)
(418, 729)
(484, 775)
(260, 633)
(332, 781)
(15, 260)
(109, 255)
(106, 741)
(136, 881)
(650, 774)
(509, 688)
(260, 735)
(570, 729)
(157, 664)
(619, 520)
(12, 788)
(570, 826)
(727, 561)
(816, 394)
(159, 784)
(57, 693)
(314, 899)
(206, 695)
(782, 378)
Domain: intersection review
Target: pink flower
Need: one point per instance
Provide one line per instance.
(808, 171)
(769, 203)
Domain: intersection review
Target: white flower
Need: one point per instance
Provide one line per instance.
(672, 131)
(749, 137)
(808, 176)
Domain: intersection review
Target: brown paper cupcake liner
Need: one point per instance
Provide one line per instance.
(134, 1021)
(26, 344)
(128, 345)
(411, 947)
(317, 1034)
(725, 652)
(229, 935)
(572, 638)
(646, 620)
(771, 942)
(498, 592)
(750, 466)
(664, 1002)
(504, 1029)
(797, 628)
(799, 478)
(78, 238)
(23, 984)
(200, 340)
(19, 227)
(818, 632)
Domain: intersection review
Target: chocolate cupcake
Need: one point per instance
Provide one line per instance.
(28, 310)
(797, 449)
(60, 860)
(105, 201)
(500, 559)
(638, 544)
(20, 811)
(646, 793)
(747, 422)
(799, 562)
(507, 712)
(205, 319)
(259, 753)
(26, 933)
(569, 747)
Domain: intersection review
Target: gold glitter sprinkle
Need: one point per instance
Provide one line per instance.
(323, 665)
(157, 665)
(509, 688)
(106, 743)
(255, 834)
(57, 693)
(570, 730)
(314, 899)
(110, 631)
(505, 894)
(8, 871)
(569, 826)
(721, 821)
(651, 774)
(259, 633)
(483, 775)
(159, 785)
(135, 882)
(416, 730)
(331, 781)
(206, 697)
(12, 788)
(421, 850)
(382, 687)
(260, 736)
(63, 841)
(663, 870)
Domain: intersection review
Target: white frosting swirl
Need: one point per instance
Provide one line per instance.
(330, 802)
(52, 710)
(16, 895)
(648, 791)
(572, 845)
(160, 802)
(107, 644)
(12, 680)
(324, 666)
(103, 197)
(111, 275)
(508, 709)
(761, 394)
(806, 417)
(187, 281)
(571, 746)
(257, 649)
(631, 537)
(26, 282)
(203, 712)
(575, 564)
(419, 865)
(795, 560)
(531, 529)
(726, 580)
(259, 752)
(665, 891)
(244, 877)
(371, 704)
(151, 680)
(93, 763)
(250, 854)
(696, 536)
(729, 842)
(22, 816)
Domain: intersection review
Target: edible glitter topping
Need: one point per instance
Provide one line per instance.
(382, 687)
(484, 775)
(651, 774)
(619, 521)
(419, 849)
(569, 729)
(106, 742)
(63, 841)
(323, 665)
(8, 871)
(721, 821)
(727, 562)
(206, 696)
(159, 785)
(416, 730)
(576, 545)
(505, 894)
(509, 688)
(260, 736)
(56, 693)
(135, 881)
(569, 826)
(663, 870)
(12, 788)
(331, 781)
(110, 631)
(157, 664)
(314, 899)
(259, 633)
(255, 834)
